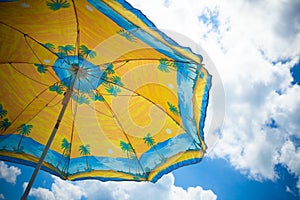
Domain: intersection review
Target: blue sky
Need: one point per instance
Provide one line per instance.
(254, 149)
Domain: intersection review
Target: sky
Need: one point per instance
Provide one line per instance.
(252, 49)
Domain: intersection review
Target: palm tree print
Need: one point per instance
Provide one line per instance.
(127, 148)
(66, 50)
(113, 90)
(2, 111)
(148, 139)
(117, 80)
(127, 35)
(49, 46)
(85, 151)
(4, 124)
(81, 99)
(41, 68)
(110, 68)
(173, 108)
(163, 65)
(57, 4)
(85, 52)
(57, 88)
(24, 129)
(65, 145)
(97, 97)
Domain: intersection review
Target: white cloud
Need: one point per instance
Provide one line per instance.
(59, 190)
(2, 196)
(290, 156)
(251, 40)
(9, 174)
(92, 189)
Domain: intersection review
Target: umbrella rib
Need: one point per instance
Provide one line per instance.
(102, 113)
(77, 43)
(31, 63)
(25, 34)
(25, 37)
(33, 39)
(148, 59)
(138, 94)
(42, 108)
(27, 76)
(157, 107)
(36, 97)
(123, 131)
(186, 76)
(155, 59)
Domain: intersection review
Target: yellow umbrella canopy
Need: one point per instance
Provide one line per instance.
(133, 100)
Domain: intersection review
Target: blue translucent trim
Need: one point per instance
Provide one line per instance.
(101, 179)
(203, 108)
(30, 164)
(175, 166)
(185, 94)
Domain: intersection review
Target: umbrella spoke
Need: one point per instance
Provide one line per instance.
(28, 76)
(26, 107)
(27, 35)
(124, 132)
(43, 108)
(77, 43)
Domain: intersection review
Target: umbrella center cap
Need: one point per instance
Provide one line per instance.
(86, 75)
(79, 71)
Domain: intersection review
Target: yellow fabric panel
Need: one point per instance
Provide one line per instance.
(42, 24)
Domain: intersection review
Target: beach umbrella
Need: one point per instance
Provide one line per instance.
(91, 89)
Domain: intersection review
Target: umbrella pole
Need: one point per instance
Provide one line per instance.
(39, 164)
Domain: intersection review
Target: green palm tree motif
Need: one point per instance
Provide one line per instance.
(57, 4)
(164, 65)
(81, 99)
(65, 145)
(110, 68)
(65, 50)
(85, 151)
(41, 68)
(57, 88)
(127, 148)
(173, 108)
(2, 111)
(117, 80)
(129, 36)
(85, 52)
(4, 124)
(24, 129)
(49, 46)
(113, 90)
(148, 139)
(97, 97)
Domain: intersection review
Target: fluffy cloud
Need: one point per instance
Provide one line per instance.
(253, 44)
(92, 189)
(2, 196)
(9, 174)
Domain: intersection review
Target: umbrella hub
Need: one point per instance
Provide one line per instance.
(80, 71)
(85, 75)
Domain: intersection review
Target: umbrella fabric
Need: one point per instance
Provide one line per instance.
(139, 99)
